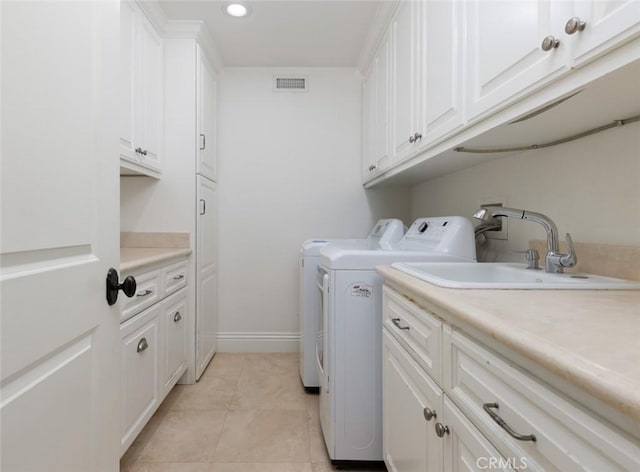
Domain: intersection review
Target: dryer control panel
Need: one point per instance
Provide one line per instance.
(445, 234)
(386, 233)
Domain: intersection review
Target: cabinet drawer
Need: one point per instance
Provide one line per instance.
(140, 353)
(417, 329)
(174, 329)
(148, 292)
(175, 277)
(566, 437)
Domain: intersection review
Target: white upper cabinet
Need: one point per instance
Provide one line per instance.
(404, 34)
(505, 50)
(207, 119)
(599, 26)
(377, 113)
(441, 85)
(426, 74)
(141, 93)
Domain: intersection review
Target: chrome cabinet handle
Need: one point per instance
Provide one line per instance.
(138, 150)
(204, 206)
(428, 413)
(179, 277)
(142, 345)
(204, 142)
(549, 43)
(412, 139)
(494, 416)
(372, 168)
(574, 25)
(396, 321)
(144, 152)
(144, 294)
(417, 137)
(441, 430)
(177, 317)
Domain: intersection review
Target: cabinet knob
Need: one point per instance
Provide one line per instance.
(144, 152)
(138, 150)
(574, 25)
(177, 317)
(412, 139)
(142, 345)
(549, 43)
(441, 430)
(428, 413)
(372, 168)
(417, 137)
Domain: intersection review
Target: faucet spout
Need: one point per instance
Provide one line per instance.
(555, 261)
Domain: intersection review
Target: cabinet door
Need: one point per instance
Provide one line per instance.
(206, 274)
(405, 71)
(409, 440)
(382, 113)
(174, 327)
(140, 368)
(441, 85)
(368, 105)
(466, 449)
(207, 119)
(149, 93)
(129, 17)
(504, 54)
(608, 24)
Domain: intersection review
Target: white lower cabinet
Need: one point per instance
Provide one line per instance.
(140, 370)
(153, 348)
(482, 412)
(174, 339)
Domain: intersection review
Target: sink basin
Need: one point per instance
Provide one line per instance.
(507, 276)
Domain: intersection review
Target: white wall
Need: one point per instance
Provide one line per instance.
(589, 187)
(289, 170)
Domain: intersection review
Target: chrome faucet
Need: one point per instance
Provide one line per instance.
(555, 261)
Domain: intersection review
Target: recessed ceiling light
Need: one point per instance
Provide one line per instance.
(236, 10)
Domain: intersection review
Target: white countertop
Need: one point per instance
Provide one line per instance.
(132, 258)
(591, 338)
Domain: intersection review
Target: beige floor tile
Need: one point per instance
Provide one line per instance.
(171, 467)
(317, 447)
(214, 393)
(225, 364)
(263, 436)
(313, 412)
(268, 392)
(133, 453)
(275, 364)
(184, 436)
(261, 467)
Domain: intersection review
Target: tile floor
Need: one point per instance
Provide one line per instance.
(248, 413)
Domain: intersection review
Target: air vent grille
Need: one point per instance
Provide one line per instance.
(290, 84)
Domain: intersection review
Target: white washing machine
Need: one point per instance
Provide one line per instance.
(384, 234)
(349, 351)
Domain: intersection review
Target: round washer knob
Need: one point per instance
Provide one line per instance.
(423, 227)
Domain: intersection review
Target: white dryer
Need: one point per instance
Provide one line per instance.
(384, 234)
(349, 350)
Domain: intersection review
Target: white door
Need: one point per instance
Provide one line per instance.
(59, 397)
(206, 274)
(207, 119)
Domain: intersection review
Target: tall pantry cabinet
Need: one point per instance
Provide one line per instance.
(190, 178)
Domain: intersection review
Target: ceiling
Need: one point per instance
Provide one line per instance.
(293, 33)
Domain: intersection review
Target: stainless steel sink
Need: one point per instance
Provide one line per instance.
(507, 276)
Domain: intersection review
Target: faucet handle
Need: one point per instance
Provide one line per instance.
(532, 258)
(570, 259)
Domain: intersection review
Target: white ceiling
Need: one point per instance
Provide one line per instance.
(293, 33)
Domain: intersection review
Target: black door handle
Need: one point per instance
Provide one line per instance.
(128, 286)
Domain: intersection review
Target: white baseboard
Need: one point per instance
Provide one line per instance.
(258, 342)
